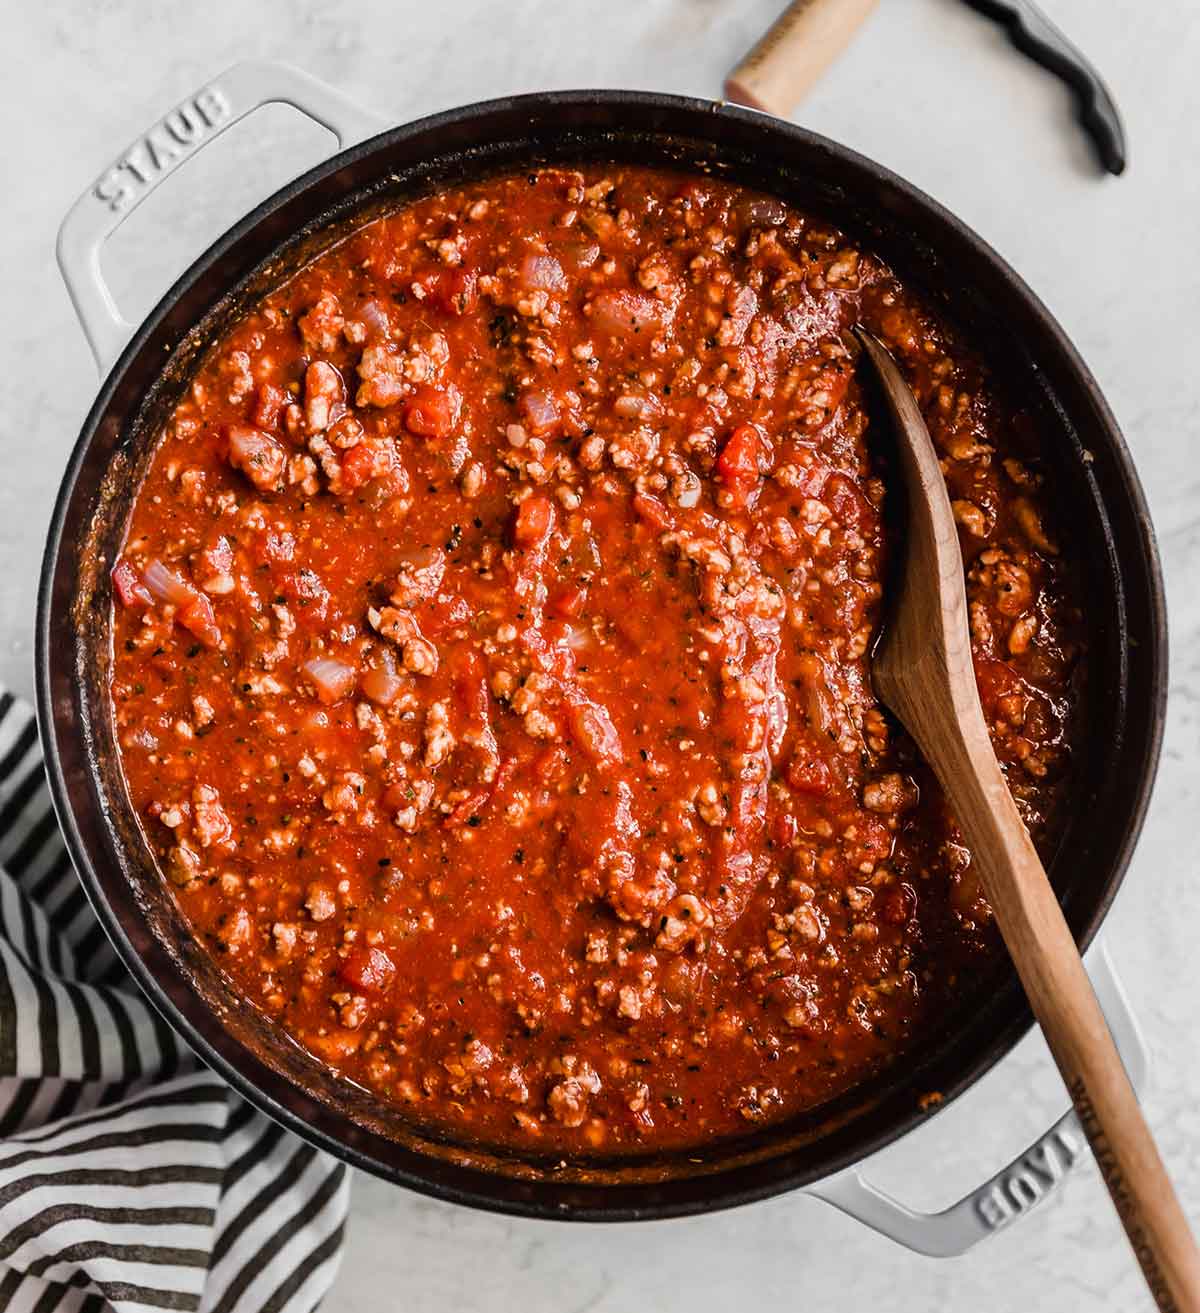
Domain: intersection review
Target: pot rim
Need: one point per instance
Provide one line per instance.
(472, 1186)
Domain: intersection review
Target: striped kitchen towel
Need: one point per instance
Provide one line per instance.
(131, 1176)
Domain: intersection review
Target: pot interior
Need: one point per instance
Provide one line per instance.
(1101, 516)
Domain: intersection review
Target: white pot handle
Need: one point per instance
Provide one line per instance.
(1017, 1187)
(176, 137)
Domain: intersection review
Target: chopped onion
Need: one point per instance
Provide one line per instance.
(257, 454)
(128, 586)
(375, 317)
(193, 610)
(247, 443)
(368, 969)
(637, 405)
(540, 411)
(381, 683)
(625, 312)
(167, 585)
(332, 678)
(542, 272)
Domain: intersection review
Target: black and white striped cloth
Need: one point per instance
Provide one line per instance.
(131, 1176)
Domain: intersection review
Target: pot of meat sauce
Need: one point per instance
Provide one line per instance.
(454, 652)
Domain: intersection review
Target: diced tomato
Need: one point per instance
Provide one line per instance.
(569, 603)
(554, 658)
(532, 526)
(196, 616)
(470, 806)
(846, 501)
(608, 834)
(293, 422)
(433, 412)
(270, 404)
(129, 587)
(807, 773)
(899, 905)
(743, 461)
(652, 511)
(368, 969)
(551, 764)
(995, 680)
(841, 608)
(477, 801)
(595, 733)
(735, 862)
(358, 466)
(397, 796)
(345, 432)
(475, 701)
(874, 837)
(193, 610)
(812, 479)
(534, 520)
(472, 687)
(747, 806)
(445, 611)
(455, 291)
(783, 829)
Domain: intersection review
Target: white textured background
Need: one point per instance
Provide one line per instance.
(930, 89)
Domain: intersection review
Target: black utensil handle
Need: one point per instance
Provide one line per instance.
(1036, 36)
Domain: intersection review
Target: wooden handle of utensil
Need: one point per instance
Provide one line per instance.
(923, 670)
(1062, 998)
(806, 38)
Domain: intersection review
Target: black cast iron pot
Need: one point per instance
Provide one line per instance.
(1102, 510)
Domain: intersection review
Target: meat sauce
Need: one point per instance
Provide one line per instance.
(491, 672)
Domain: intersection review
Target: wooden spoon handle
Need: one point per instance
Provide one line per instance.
(806, 38)
(1062, 998)
(923, 670)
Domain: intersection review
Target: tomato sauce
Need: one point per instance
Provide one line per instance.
(492, 661)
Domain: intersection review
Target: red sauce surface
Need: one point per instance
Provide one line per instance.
(492, 662)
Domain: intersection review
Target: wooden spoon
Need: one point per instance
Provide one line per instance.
(923, 671)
